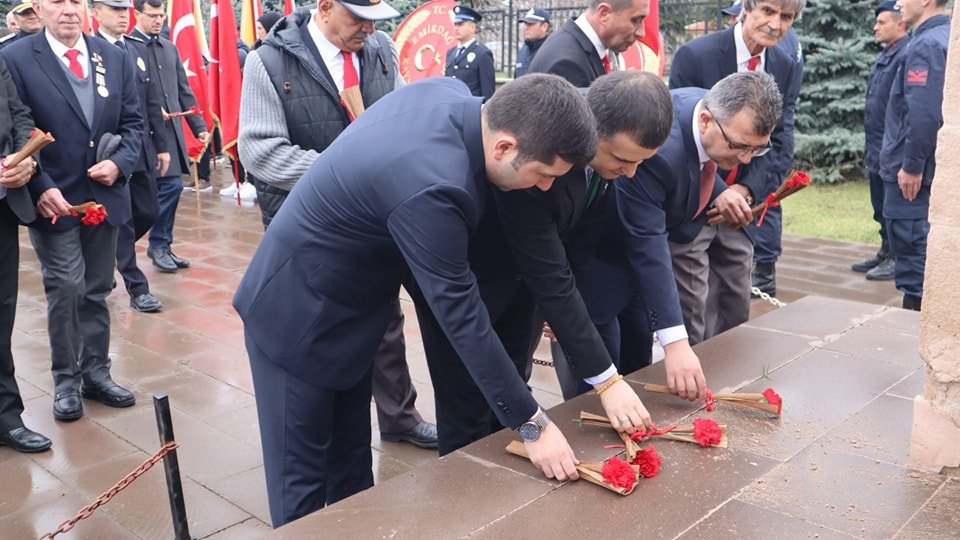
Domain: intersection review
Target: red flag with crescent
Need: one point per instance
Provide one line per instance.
(423, 39)
(183, 34)
(225, 73)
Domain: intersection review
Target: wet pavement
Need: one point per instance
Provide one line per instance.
(833, 466)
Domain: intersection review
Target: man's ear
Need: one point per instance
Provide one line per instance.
(703, 120)
(503, 144)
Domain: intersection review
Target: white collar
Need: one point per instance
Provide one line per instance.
(59, 49)
(701, 153)
(743, 53)
(328, 51)
(591, 34)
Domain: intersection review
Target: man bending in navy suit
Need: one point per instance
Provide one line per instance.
(629, 287)
(317, 295)
(81, 89)
(720, 255)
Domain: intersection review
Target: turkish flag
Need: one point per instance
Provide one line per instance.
(225, 73)
(288, 7)
(183, 34)
(651, 28)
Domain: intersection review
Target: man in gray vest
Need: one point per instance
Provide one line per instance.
(291, 110)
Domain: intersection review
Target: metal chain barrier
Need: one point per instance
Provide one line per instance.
(105, 497)
(764, 296)
(539, 362)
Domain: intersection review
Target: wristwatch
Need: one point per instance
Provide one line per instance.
(530, 431)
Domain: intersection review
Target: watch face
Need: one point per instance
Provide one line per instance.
(529, 432)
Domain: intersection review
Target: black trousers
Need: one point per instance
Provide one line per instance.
(146, 210)
(11, 406)
(463, 414)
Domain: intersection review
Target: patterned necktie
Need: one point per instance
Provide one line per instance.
(350, 78)
(606, 63)
(753, 63)
(74, 66)
(708, 176)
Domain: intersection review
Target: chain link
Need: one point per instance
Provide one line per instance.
(538, 362)
(105, 497)
(764, 296)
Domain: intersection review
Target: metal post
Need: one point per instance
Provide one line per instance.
(171, 468)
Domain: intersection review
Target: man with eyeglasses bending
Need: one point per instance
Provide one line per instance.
(629, 288)
(728, 253)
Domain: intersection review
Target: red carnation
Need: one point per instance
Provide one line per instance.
(802, 178)
(773, 398)
(706, 432)
(649, 462)
(618, 473)
(94, 215)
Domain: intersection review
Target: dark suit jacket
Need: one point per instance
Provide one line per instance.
(569, 54)
(707, 59)
(15, 127)
(657, 204)
(43, 86)
(316, 297)
(477, 73)
(151, 101)
(521, 235)
(164, 65)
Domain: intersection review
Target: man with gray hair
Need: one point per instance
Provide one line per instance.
(291, 111)
(718, 300)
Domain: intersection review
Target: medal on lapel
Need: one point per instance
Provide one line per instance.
(100, 75)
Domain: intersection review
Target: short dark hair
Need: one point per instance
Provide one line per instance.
(548, 117)
(753, 90)
(616, 5)
(635, 103)
(138, 4)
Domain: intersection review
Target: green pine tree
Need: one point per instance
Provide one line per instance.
(839, 49)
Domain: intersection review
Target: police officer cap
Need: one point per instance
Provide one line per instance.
(21, 7)
(115, 3)
(734, 9)
(889, 5)
(466, 14)
(536, 15)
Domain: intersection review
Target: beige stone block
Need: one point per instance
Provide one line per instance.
(935, 440)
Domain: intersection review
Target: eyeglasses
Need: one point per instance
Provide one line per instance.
(757, 151)
(154, 16)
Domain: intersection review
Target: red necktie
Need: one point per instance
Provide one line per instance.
(606, 63)
(74, 66)
(753, 63)
(708, 175)
(350, 78)
(732, 175)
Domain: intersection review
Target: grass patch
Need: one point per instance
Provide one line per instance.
(838, 211)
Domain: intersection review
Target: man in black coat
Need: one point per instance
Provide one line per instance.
(589, 46)
(164, 65)
(113, 17)
(15, 126)
(536, 25)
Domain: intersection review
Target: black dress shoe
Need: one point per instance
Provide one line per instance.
(162, 260)
(912, 302)
(24, 440)
(67, 406)
(181, 263)
(764, 277)
(146, 303)
(109, 393)
(423, 435)
(885, 271)
(869, 264)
